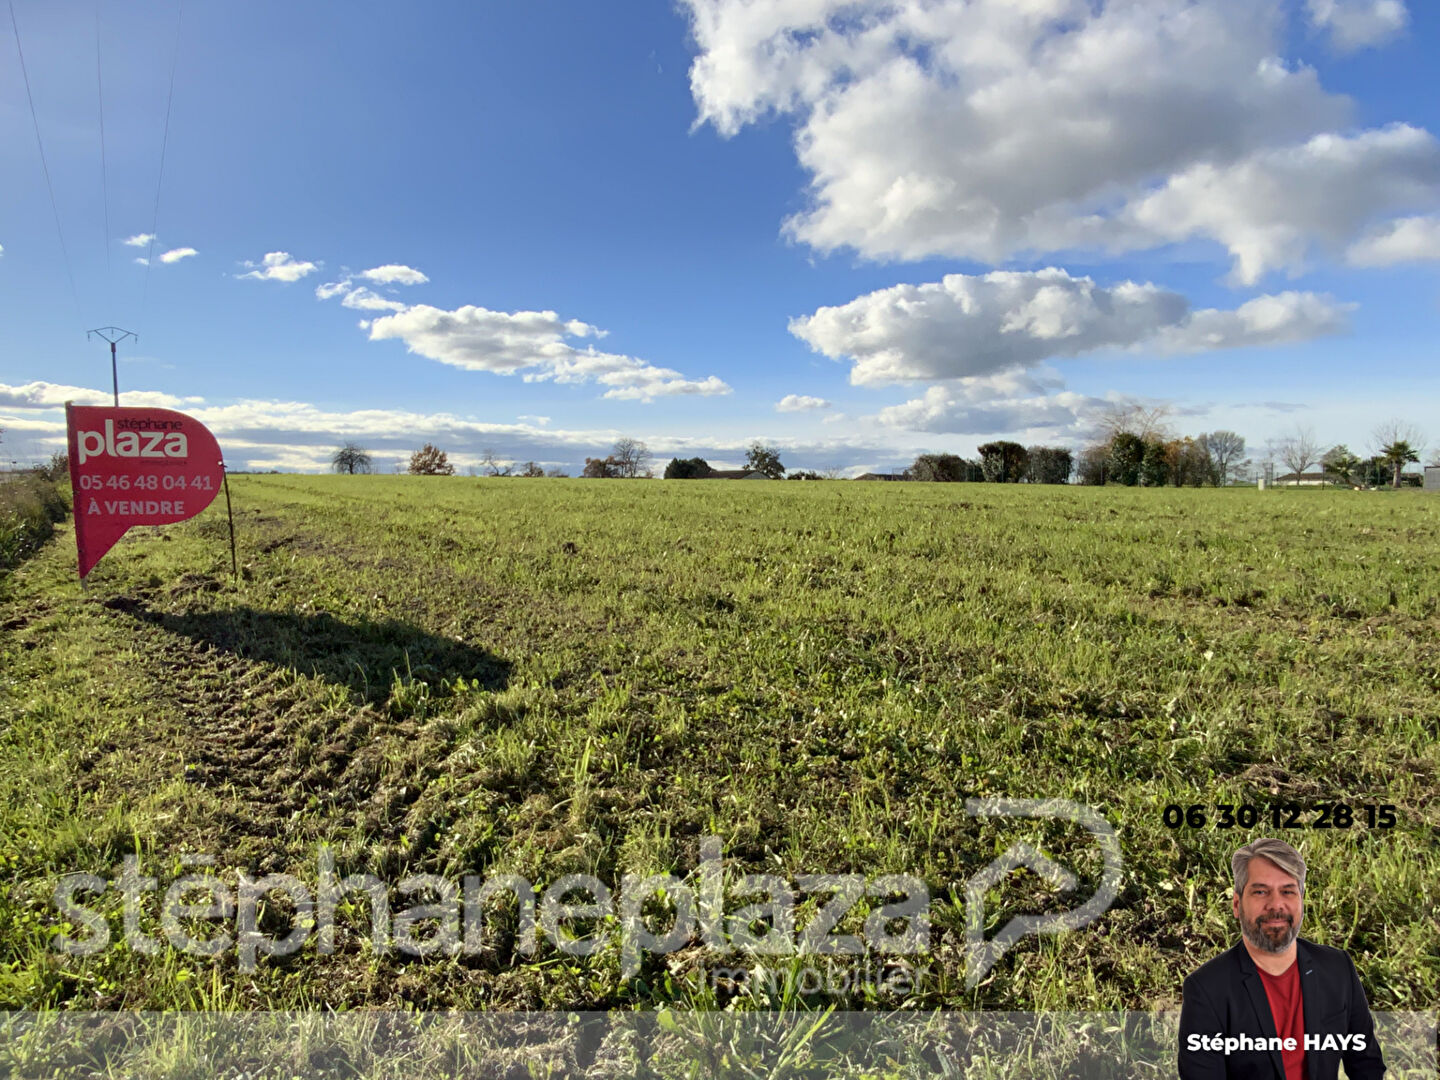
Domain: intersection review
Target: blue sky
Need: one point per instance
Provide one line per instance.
(924, 224)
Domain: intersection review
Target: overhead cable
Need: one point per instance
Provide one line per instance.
(164, 142)
(54, 206)
(104, 172)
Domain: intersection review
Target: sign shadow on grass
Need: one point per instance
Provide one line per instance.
(368, 657)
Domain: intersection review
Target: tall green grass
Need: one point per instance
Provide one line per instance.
(30, 507)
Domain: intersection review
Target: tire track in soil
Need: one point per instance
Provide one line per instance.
(251, 734)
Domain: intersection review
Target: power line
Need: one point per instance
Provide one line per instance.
(164, 142)
(104, 171)
(54, 206)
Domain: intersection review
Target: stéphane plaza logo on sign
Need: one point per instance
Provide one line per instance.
(136, 467)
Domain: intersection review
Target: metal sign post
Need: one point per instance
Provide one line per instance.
(230, 515)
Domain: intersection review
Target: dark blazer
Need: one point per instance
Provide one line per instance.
(1226, 997)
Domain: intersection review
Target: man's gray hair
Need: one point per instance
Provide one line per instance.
(1277, 851)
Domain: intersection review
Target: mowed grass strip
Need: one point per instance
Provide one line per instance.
(452, 675)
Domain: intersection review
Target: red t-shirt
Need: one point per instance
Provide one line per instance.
(1288, 1009)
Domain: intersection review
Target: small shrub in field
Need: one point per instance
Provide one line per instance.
(601, 468)
(430, 461)
(56, 469)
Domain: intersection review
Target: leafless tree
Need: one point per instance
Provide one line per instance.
(1224, 448)
(1394, 431)
(531, 469)
(351, 458)
(631, 457)
(491, 464)
(1299, 449)
(1149, 422)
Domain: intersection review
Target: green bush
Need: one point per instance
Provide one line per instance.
(687, 469)
(30, 505)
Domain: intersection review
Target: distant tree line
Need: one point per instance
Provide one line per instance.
(759, 458)
(999, 462)
(1135, 447)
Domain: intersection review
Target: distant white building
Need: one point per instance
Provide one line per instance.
(1432, 477)
(1309, 479)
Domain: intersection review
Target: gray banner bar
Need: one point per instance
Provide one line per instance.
(417, 1046)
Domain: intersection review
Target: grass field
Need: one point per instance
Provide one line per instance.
(549, 677)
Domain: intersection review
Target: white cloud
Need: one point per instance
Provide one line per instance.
(174, 255)
(800, 403)
(2, 250)
(297, 435)
(478, 339)
(645, 383)
(532, 343)
(332, 289)
(1282, 319)
(1415, 239)
(298, 429)
(142, 260)
(28, 422)
(973, 325)
(48, 396)
(363, 299)
(952, 410)
(391, 274)
(1272, 207)
(987, 129)
(1355, 24)
(139, 240)
(279, 266)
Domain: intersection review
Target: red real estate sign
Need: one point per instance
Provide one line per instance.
(136, 467)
